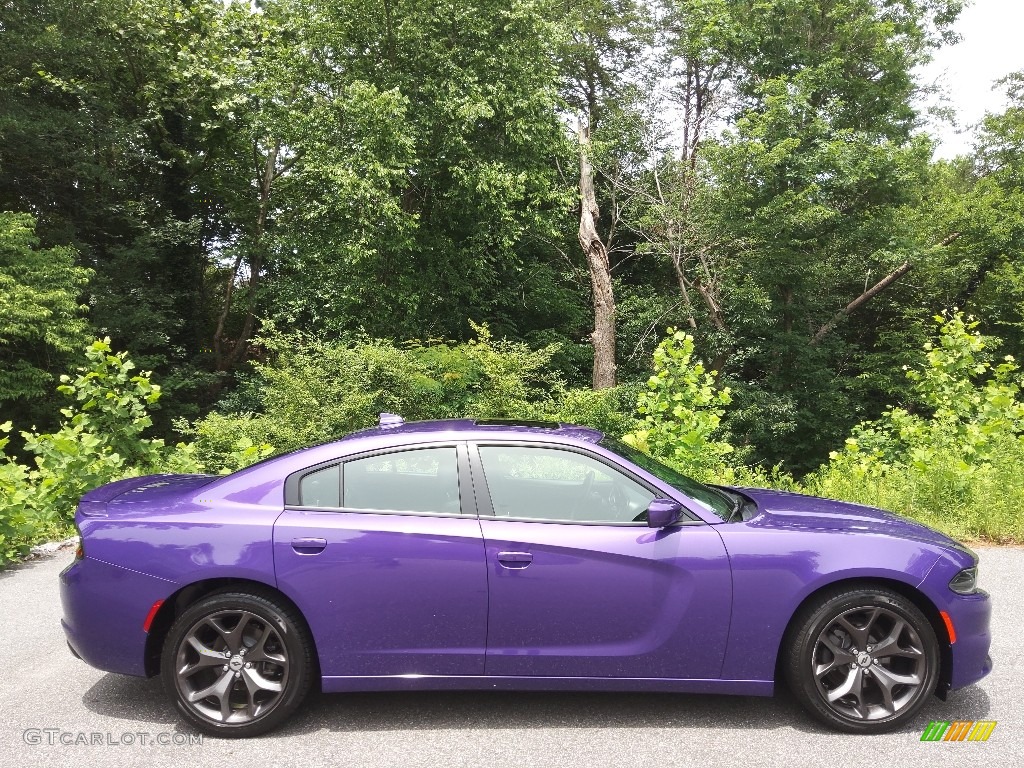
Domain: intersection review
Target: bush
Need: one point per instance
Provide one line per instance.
(682, 411)
(610, 410)
(951, 458)
(16, 529)
(312, 391)
(951, 461)
(99, 440)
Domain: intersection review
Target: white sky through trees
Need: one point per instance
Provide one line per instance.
(991, 47)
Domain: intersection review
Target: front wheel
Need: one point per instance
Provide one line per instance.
(862, 660)
(237, 664)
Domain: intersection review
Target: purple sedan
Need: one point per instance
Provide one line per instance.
(495, 555)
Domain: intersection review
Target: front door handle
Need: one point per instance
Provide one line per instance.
(515, 560)
(309, 546)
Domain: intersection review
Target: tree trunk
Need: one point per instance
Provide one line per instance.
(229, 354)
(603, 337)
(865, 297)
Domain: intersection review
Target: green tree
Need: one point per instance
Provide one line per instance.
(448, 189)
(805, 203)
(989, 215)
(41, 320)
(105, 121)
(682, 410)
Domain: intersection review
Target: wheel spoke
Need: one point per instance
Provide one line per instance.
(258, 652)
(220, 690)
(859, 635)
(840, 657)
(233, 636)
(207, 658)
(887, 680)
(870, 623)
(853, 686)
(254, 681)
(890, 644)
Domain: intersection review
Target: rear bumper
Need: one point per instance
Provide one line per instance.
(104, 608)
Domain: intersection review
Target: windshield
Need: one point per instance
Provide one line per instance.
(712, 499)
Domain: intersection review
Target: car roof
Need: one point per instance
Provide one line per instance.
(470, 429)
(396, 433)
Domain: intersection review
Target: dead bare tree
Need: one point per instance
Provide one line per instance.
(870, 293)
(596, 252)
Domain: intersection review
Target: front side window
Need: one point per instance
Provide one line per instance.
(421, 480)
(553, 484)
(710, 498)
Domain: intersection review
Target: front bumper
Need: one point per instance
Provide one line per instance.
(970, 615)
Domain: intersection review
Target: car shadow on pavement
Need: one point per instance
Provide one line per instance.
(131, 698)
(138, 699)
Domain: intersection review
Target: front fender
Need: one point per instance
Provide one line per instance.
(774, 572)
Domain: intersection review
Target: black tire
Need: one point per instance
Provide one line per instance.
(245, 697)
(835, 677)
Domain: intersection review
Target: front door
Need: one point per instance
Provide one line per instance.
(579, 587)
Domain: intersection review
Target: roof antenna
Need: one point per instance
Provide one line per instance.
(390, 420)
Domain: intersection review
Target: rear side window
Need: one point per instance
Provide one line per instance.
(321, 488)
(422, 480)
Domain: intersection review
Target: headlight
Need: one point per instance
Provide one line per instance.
(965, 582)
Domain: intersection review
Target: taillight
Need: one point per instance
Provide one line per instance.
(80, 547)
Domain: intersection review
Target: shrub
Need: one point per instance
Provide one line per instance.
(312, 391)
(682, 410)
(953, 461)
(610, 410)
(16, 529)
(100, 438)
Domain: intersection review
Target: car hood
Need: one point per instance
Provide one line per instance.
(782, 509)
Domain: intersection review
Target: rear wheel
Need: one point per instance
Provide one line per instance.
(862, 660)
(237, 664)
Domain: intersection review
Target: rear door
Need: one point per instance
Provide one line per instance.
(580, 586)
(384, 556)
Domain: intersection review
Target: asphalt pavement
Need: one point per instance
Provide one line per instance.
(57, 711)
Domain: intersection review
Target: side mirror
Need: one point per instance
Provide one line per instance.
(663, 512)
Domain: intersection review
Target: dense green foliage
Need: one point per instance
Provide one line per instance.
(950, 465)
(41, 323)
(99, 440)
(311, 391)
(299, 214)
(954, 459)
(682, 410)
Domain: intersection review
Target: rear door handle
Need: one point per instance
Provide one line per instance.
(309, 546)
(515, 560)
